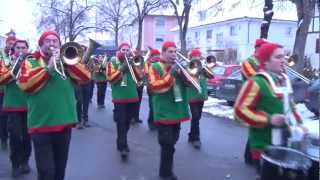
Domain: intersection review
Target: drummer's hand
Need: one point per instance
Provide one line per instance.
(277, 119)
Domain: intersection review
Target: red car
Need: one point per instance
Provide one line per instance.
(220, 72)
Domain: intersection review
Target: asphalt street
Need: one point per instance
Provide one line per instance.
(93, 155)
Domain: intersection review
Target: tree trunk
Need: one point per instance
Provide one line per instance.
(116, 34)
(139, 43)
(305, 11)
(268, 13)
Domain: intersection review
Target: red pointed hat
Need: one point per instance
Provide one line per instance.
(154, 52)
(123, 44)
(11, 38)
(168, 44)
(266, 51)
(45, 34)
(260, 41)
(195, 53)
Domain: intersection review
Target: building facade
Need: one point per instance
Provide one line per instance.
(156, 30)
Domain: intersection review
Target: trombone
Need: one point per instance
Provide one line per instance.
(15, 66)
(131, 69)
(194, 83)
(206, 66)
(291, 62)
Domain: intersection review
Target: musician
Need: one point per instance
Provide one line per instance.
(168, 112)
(51, 105)
(15, 105)
(196, 99)
(5, 57)
(124, 96)
(249, 67)
(100, 80)
(83, 91)
(154, 56)
(258, 105)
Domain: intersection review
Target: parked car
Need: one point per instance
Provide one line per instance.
(220, 72)
(312, 97)
(230, 87)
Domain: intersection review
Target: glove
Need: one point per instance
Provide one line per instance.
(174, 69)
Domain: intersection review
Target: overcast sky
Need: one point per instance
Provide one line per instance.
(18, 15)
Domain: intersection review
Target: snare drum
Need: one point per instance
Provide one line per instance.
(280, 163)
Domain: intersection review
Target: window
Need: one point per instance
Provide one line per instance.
(219, 39)
(160, 21)
(233, 31)
(209, 34)
(158, 40)
(202, 15)
(196, 35)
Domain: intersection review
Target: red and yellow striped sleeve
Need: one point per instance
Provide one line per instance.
(247, 69)
(245, 106)
(32, 79)
(113, 74)
(79, 73)
(157, 83)
(5, 75)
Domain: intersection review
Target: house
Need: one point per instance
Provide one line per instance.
(156, 29)
(230, 33)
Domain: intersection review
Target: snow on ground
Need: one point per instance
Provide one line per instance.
(220, 108)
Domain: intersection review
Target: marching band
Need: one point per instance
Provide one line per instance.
(46, 93)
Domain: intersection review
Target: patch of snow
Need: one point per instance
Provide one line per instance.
(218, 108)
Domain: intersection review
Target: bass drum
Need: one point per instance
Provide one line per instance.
(280, 163)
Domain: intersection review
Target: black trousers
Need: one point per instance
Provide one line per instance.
(20, 143)
(150, 116)
(101, 92)
(83, 100)
(168, 136)
(196, 112)
(3, 122)
(123, 113)
(137, 104)
(51, 153)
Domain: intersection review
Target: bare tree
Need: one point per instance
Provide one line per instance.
(268, 13)
(70, 21)
(183, 20)
(143, 9)
(305, 12)
(115, 15)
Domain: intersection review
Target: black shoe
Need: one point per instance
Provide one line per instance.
(124, 155)
(172, 177)
(80, 126)
(86, 124)
(196, 144)
(25, 168)
(16, 172)
(4, 145)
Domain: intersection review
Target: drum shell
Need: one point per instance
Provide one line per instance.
(280, 163)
